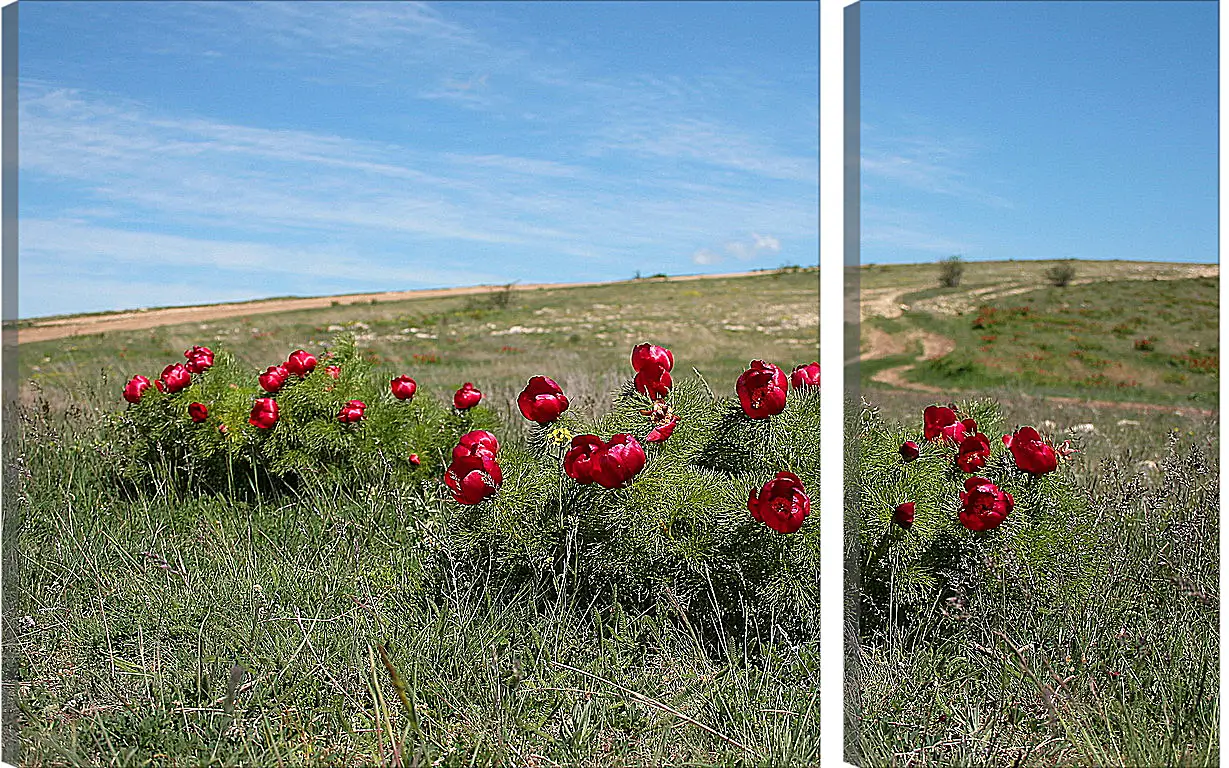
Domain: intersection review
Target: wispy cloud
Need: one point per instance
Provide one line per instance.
(551, 168)
(940, 166)
(743, 250)
(909, 231)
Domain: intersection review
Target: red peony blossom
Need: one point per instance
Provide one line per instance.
(909, 450)
(761, 390)
(333, 371)
(352, 412)
(983, 505)
(619, 461)
(662, 432)
(300, 363)
(135, 387)
(175, 377)
(782, 504)
(403, 387)
(580, 462)
(805, 376)
(941, 421)
(473, 478)
(264, 413)
(199, 359)
(476, 443)
(974, 452)
(542, 400)
(274, 378)
(1032, 454)
(651, 358)
(903, 514)
(653, 383)
(466, 397)
(198, 412)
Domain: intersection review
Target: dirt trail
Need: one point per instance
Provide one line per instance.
(888, 303)
(143, 319)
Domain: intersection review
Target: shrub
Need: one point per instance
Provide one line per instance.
(1038, 549)
(682, 528)
(951, 270)
(667, 516)
(1145, 344)
(1061, 274)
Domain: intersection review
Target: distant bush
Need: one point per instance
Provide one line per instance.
(1061, 274)
(951, 270)
(1145, 344)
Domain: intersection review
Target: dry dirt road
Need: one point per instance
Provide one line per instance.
(887, 302)
(139, 320)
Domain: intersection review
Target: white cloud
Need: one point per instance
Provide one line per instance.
(744, 250)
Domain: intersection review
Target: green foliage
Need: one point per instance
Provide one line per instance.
(681, 528)
(1061, 273)
(1042, 548)
(225, 450)
(951, 270)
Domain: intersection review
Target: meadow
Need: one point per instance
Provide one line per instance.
(327, 623)
(1122, 668)
(332, 624)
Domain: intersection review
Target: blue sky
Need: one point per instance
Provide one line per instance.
(1039, 130)
(175, 153)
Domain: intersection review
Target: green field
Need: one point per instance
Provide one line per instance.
(172, 625)
(1122, 331)
(1126, 674)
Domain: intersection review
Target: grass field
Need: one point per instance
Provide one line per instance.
(166, 627)
(172, 628)
(1126, 675)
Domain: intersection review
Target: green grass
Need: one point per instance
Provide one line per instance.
(1126, 675)
(1123, 331)
(1086, 340)
(158, 626)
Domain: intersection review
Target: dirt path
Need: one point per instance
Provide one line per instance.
(888, 303)
(143, 319)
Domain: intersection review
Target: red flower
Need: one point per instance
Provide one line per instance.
(333, 371)
(1032, 454)
(135, 387)
(974, 453)
(619, 461)
(264, 413)
(940, 421)
(650, 357)
(175, 377)
(300, 363)
(903, 514)
(761, 390)
(542, 400)
(663, 431)
(473, 478)
(476, 443)
(983, 505)
(466, 397)
(414, 459)
(653, 383)
(352, 412)
(580, 461)
(273, 378)
(909, 450)
(403, 387)
(199, 359)
(805, 376)
(198, 412)
(781, 504)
